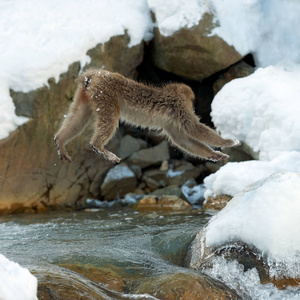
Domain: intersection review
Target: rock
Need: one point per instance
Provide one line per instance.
(164, 203)
(239, 70)
(181, 172)
(30, 171)
(217, 202)
(171, 190)
(244, 232)
(151, 156)
(119, 181)
(151, 183)
(128, 146)
(105, 276)
(185, 286)
(192, 52)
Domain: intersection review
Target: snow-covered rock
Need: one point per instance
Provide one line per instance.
(16, 282)
(265, 217)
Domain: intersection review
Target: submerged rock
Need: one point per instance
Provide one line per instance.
(186, 287)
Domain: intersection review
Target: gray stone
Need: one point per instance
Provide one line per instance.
(128, 146)
(151, 156)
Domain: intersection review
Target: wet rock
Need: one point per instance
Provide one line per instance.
(186, 286)
(151, 156)
(119, 181)
(217, 203)
(62, 284)
(105, 276)
(163, 203)
(192, 52)
(171, 190)
(30, 171)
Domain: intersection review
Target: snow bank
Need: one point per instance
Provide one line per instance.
(176, 14)
(16, 282)
(265, 215)
(40, 39)
(269, 29)
(262, 110)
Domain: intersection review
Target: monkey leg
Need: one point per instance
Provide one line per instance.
(105, 127)
(75, 122)
(204, 134)
(192, 146)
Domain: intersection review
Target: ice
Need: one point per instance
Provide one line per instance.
(264, 215)
(16, 282)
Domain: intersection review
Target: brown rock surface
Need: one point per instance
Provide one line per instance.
(31, 176)
(192, 52)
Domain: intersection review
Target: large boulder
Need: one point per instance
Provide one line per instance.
(193, 53)
(31, 176)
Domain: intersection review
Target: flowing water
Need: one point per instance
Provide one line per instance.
(138, 244)
(128, 246)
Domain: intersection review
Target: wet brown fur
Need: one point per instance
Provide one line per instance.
(113, 97)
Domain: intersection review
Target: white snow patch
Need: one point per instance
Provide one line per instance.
(269, 29)
(16, 282)
(118, 172)
(193, 194)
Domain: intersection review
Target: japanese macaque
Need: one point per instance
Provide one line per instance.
(113, 97)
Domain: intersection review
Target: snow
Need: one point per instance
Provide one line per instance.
(193, 193)
(118, 172)
(269, 29)
(173, 15)
(16, 282)
(40, 39)
(262, 110)
(264, 215)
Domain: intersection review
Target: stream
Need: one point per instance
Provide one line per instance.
(113, 253)
(134, 245)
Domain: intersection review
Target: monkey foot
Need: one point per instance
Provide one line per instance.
(63, 155)
(232, 143)
(217, 156)
(106, 154)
